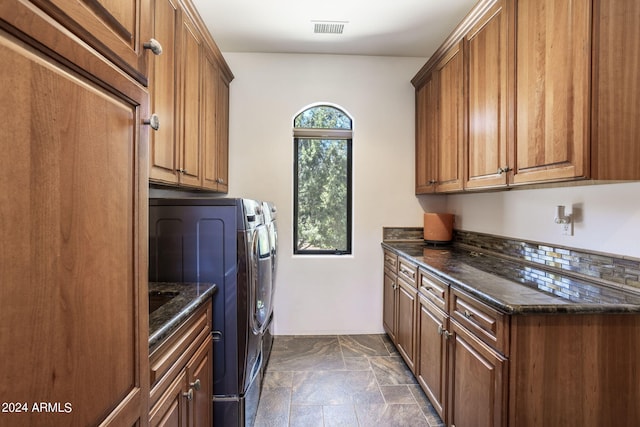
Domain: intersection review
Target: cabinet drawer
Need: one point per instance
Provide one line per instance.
(407, 270)
(391, 261)
(486, 323)
(434, 289)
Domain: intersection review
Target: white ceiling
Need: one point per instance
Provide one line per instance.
(373, 27)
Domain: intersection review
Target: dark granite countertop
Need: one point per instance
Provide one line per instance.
(514, 287)
(169, 316)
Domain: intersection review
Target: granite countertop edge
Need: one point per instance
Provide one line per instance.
(166, 319)
(547, 303)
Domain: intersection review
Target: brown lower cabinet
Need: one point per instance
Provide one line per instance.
(431, 370)
(182, 374)
(407, 303)
(401, 305)
(463, 377)
(477, 381)
(389, 309)
(482, 367)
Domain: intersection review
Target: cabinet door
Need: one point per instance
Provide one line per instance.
(200, 377)
(116, 28)
(616, 93)
(486, 148)
(552, 81)
(406, 326)
(450, 121)
(209, 123)
(477, 382)
(431, 370)
(389, 304)
(215, 125)
(163, 156)
(222, 142)
(190, 100)
(73, 273)
(171, 409)
(426, 135)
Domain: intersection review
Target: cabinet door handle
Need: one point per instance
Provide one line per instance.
(503, 170)
(196, 384)
(153, 121)
(442, 331)
(153, 45)
(181, 170)
(188, 394)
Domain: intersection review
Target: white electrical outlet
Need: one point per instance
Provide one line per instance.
(565, 221)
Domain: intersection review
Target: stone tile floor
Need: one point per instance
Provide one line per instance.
(343, 380)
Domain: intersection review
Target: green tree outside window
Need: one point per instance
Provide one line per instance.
(322, 200)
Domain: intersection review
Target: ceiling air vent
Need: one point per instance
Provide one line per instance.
(328, 27)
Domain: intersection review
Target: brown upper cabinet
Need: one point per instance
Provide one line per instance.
(550, 94)
(222, 141)
(450, 121)
(215, 126)
(118, 29)
(615, 128)
(551, 89)
(440, 126)
(189, 138)
(486, 146)
(426, 135)
(163, 76)
(192, 107)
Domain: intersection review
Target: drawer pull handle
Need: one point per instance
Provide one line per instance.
(408, 272)
(468, 314)
(188, 395)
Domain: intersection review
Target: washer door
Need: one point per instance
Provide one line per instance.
(260, 288)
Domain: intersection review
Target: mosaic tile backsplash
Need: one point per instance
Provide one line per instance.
(615, 269)
(550, 267)
(402, 233)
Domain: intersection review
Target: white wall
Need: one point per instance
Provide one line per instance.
(607, 217)
(327, 294)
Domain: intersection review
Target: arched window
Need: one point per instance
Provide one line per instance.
(322, 137)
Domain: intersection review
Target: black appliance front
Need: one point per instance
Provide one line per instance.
(210, 240)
